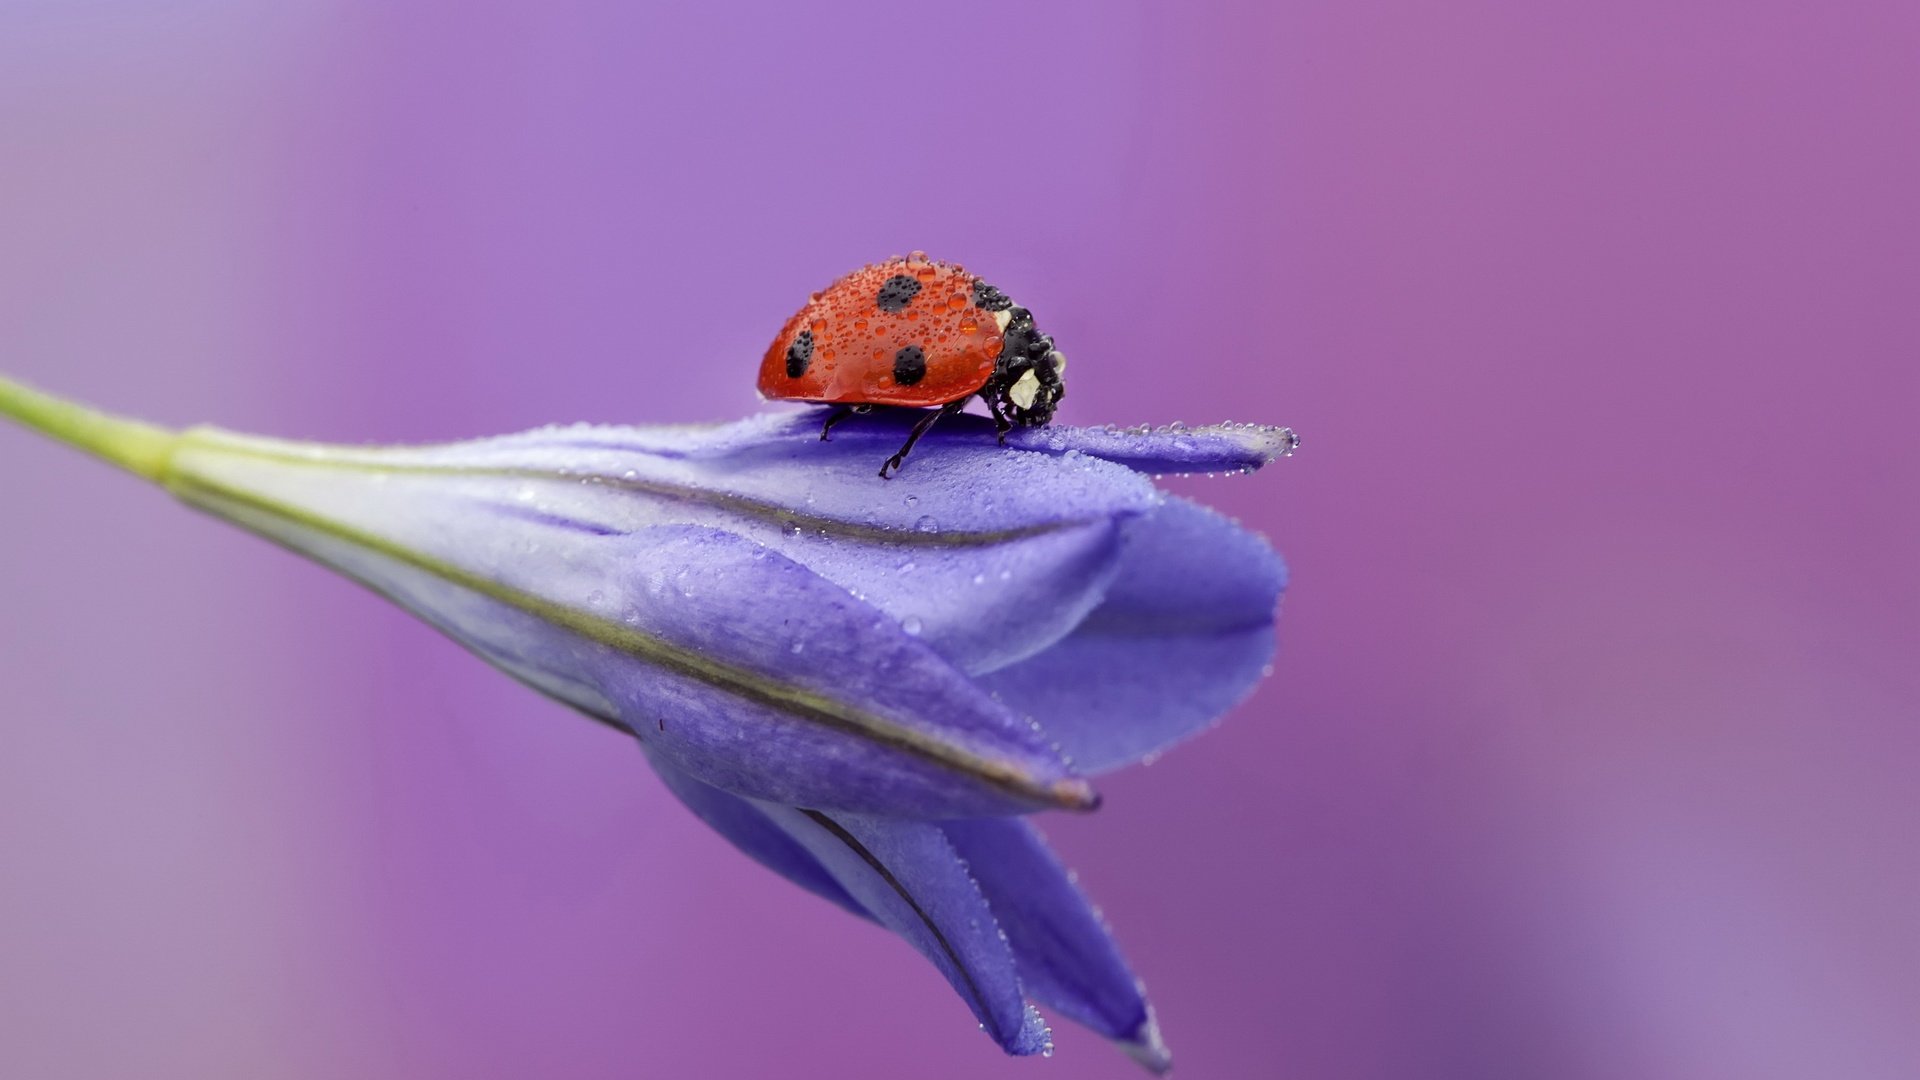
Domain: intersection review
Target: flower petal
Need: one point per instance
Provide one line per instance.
(845, 708)
(743, 823)
(990, 554)
(1185, 632)
(1065, 955)
(1175, 448)
(742, 666)
(906, 874)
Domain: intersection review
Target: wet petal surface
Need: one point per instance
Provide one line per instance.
(989, 554)
(1186, 630)
(906, 874)
(1066, 957)
(742, 666)
(1168, 450)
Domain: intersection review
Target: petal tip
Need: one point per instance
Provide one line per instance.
(1263, 443)
(1075, 793)
(1168, 449)
(1147, 1047)
(1034, 1036)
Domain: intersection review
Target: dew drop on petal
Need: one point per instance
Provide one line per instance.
(911, 624)
(798, 647)
(926, 524)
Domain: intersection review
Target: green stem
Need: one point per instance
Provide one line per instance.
(142, 449)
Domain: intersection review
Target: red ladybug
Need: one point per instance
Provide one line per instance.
(914, 332)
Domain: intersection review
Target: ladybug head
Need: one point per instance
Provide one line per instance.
(1028, 380)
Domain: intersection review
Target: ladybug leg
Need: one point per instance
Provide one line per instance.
(1000, 423)
(892, 464)
(838, 414)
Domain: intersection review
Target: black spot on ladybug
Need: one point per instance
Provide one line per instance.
(800, 354)
(909, 365)
(989, 298)
(896, 293)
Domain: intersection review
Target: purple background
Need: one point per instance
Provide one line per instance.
(1591, 751)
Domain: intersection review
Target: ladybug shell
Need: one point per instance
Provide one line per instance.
(901, 332)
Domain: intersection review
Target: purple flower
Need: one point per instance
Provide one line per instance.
(861, 683)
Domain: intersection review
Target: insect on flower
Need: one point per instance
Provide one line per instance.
(914, 332)
(862, 685)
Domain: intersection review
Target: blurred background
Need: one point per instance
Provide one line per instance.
(1591, 747)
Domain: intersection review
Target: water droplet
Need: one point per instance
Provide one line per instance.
(798, 647)
(907, 567)
(979, 579)
(911, 624)
(913, 500)
(926, 524)
(791, 528)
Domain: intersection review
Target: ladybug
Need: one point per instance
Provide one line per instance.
(915, 333)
